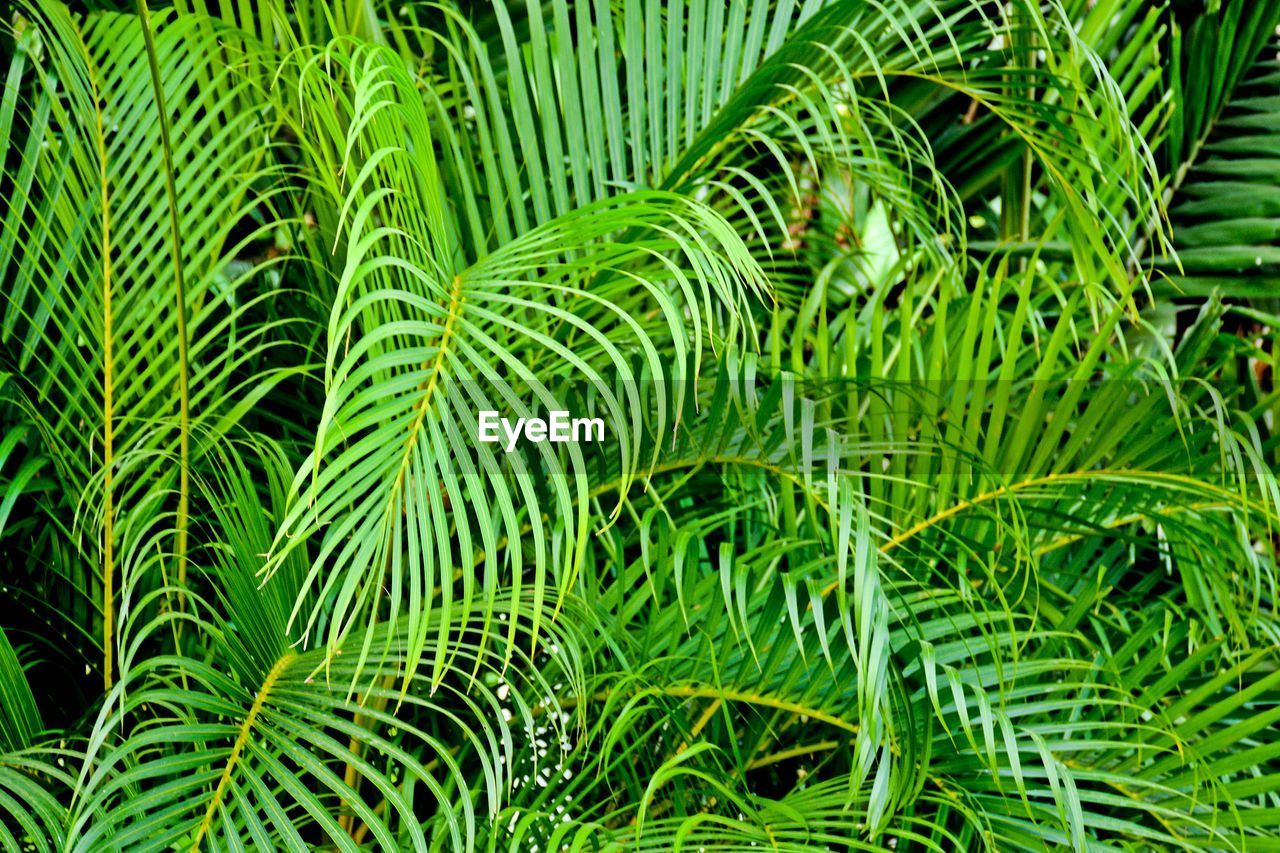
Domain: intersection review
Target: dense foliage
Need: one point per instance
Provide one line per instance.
(934, 342)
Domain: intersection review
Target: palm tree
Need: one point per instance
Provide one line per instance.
(933, 346)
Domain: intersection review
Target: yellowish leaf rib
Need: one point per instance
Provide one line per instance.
(793, 752)
(242, 738)
(108, 409)
(703, 691)
(1087, 474)
(428, 388)
(455, 306)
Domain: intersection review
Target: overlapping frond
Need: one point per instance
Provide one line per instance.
(90, 324)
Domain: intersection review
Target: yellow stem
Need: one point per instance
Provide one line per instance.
(783, 755)
(701, 724)
(351, 776)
